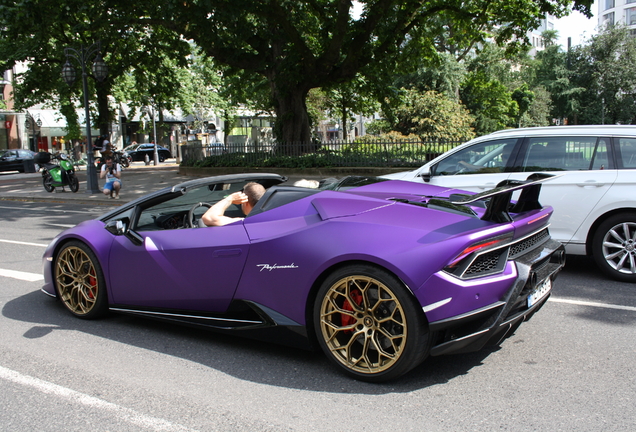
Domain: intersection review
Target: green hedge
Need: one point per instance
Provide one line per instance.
(367, 153)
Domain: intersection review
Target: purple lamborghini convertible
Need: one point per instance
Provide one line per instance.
(378, 273)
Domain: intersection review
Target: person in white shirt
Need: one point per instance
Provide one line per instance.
(112, 172)
(247, 199)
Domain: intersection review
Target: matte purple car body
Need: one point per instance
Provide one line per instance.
(261, 276)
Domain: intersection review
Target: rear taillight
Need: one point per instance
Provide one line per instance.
(481, 259)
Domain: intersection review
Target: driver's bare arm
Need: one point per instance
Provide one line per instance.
(215, 214)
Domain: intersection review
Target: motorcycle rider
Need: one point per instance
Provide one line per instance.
(112, 172)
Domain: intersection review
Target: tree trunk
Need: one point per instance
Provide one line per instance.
(293, 128)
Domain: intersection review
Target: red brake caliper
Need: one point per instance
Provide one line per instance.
(347, 320)
(93, 281)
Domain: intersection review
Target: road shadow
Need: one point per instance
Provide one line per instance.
(244, 359)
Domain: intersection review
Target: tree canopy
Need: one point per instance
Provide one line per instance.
(300, 45)
(604, 73)
(37, 32)
(286, 47)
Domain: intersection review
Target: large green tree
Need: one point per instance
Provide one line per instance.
(551, 70)
(300, 45)
(605, 72)
(36, 32)
(292, 46)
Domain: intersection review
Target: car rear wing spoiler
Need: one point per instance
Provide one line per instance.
(498, 208)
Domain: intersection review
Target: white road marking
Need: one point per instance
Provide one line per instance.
(592, 304)
(31, 277)
(23, 243)
(62, 225)
(126, 414)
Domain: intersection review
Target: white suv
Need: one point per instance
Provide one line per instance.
(594, 199)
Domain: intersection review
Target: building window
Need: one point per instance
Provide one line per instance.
(609, 4)
(630, 1)
(608, 19)
(630, 16)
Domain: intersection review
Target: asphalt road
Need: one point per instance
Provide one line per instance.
(570, 368)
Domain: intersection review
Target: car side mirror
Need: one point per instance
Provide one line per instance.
(121, 227)
(425, 174)
(116, 227)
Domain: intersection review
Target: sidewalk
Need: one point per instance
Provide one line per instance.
(138, 180)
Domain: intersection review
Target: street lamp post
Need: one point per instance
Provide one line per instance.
(155, 157)
(33, 127)
(100, 71)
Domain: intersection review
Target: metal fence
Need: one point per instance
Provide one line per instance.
(365, 152)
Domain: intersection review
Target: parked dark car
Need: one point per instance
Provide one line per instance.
(138, 152)
(17, 160)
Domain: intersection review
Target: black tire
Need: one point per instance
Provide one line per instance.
(370, 340)
(79, 281)
(161, 158)
(124, 162)
(73, 183)
(47, 182)
(614, 247)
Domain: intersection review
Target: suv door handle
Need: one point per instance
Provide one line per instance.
(590, 183)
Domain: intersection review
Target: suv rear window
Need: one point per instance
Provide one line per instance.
(566, 154)
(627, 148)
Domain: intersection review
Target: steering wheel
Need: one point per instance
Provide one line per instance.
(191, 221)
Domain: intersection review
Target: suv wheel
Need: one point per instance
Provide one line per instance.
(614, 247)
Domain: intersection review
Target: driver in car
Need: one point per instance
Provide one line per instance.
(247, 199)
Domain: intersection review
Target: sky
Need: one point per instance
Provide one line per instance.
(577, 26)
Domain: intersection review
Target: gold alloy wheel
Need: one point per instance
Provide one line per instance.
(77, 280)
(363, 324)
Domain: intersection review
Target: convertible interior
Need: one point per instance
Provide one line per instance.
(185, 211)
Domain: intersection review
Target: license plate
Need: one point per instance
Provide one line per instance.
(541, 291)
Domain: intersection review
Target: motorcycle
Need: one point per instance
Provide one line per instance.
(58, 174)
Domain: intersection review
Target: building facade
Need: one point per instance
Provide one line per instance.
(613, 12)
